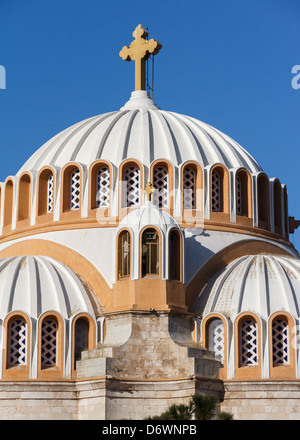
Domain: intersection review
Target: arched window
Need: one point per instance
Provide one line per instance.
(248, 343)
(24, 197)
(277, 207)
(280, 342)
(103, 187)
(17, 342)
(49, 343)
(8, 203)
(263, 201)
(150, 252)
(216, 339)
(81, 338)
(189, 188)
(174, 255)
(45, 192)
(124, 254)
(50, 194)
(75, 189)
(216, 191)
(242, 193)
(161, 184)
(131, 190)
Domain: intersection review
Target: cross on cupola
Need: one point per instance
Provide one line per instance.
(140, 50)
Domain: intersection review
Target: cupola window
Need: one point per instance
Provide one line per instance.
(248, 343)
(75, 189)
(280, 342)
(216, 192)
(81, 338)
(49, 343)
(161, 184)
(150, 252)
(103, 187)
(216, 339)
(17, 342)
(124, 247)
(174, 255)
(50, 193)
(189, 188)
(132, 186)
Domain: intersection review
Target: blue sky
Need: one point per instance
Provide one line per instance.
(227, 63)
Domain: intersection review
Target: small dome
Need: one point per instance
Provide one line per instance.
(148, 215)
(37, 284)
(261, 284)
(141, 131)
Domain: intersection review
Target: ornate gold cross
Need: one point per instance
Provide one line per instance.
(140, 50)
(149, 189)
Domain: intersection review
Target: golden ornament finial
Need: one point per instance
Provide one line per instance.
(140, 50)
(149, 189)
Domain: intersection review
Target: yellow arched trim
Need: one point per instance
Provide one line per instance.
(80, 265)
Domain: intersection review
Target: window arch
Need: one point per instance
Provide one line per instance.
(277, 206)
(124, 254)
(263, 201)
(219, 190)
(24, 192)
(103, 187)
(75, 189)
(150, 253)
(280, 341)
(45, 192)
(174, 255)
(71, 189)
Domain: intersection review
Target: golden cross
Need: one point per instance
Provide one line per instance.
(140, 50)
(149, 189)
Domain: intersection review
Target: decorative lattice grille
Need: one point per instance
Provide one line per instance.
(17, 342)
(280, 342)
(216, 204)
(248, 343)
(75, 189)
(49, 343)
(103, 187)
(189, 188)
(50, 194)
(160, 183)
(216, 339)
(81, 337)
(238, 196)
(132, 186)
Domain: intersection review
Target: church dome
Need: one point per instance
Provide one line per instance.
(39, 284)
(260, 284)
(141, 131)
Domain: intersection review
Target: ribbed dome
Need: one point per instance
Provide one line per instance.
(261, 284)
(36, 284)
(140, 130)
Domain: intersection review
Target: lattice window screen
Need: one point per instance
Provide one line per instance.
(216, 339)
(216, 204)
(161, 184)
(49, 343)
(189, 188)
(132, 186)
(50, 194)
(17, 342)
(280, 342)
(248, 343)
(238, 196)
(75, 189)
(103, 187)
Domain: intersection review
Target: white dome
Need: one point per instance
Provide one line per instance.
(261, 284)
(37, 284)
(141, 131)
